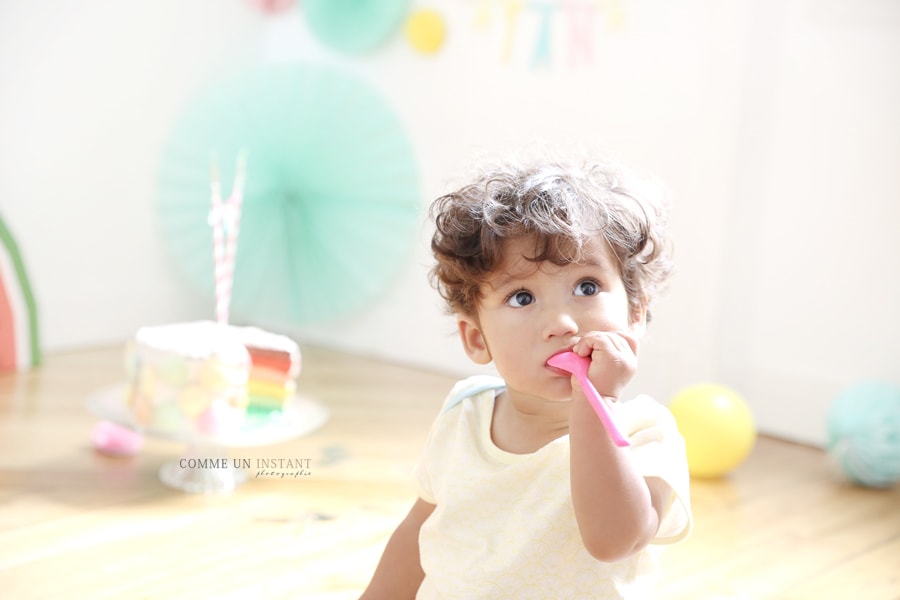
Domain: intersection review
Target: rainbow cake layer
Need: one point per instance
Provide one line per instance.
(274, 367)
(203, 378)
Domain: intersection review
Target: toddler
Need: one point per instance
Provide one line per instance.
(522, 492)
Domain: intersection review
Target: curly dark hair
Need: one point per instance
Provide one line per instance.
(562, 207)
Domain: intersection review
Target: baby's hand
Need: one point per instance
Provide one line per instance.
(613, 360)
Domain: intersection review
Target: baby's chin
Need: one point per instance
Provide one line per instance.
(551, 395)
(560, 391)
(564, 395)
(557, 398)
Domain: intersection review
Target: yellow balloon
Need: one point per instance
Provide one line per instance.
(425, 31)
(717, 426)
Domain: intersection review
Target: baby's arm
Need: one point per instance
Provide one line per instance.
(617, 509)
(399, 572)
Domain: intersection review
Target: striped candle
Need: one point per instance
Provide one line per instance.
(225, 218)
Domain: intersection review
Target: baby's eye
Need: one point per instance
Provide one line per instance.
(520, 299)
(588, 287)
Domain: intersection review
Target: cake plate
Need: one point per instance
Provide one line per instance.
(204, 467)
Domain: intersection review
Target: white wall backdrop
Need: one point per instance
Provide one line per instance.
(774, 124)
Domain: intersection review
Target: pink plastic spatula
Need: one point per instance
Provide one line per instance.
(578, 366)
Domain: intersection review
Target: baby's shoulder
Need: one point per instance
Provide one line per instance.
(469, 387)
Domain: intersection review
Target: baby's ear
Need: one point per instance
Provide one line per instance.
(472, 340)
(638, 319)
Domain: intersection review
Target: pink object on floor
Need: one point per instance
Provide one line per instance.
(112, 439)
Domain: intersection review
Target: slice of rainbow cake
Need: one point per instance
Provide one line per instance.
(274, 368)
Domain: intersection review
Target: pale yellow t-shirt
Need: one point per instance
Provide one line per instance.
(504, 526)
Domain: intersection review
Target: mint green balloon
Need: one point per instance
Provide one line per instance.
(864, 433)
(355, 26)
(331, 203)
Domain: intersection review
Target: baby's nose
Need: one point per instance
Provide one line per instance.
(559, 323)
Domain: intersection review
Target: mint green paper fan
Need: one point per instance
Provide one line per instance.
(331, 202)
(354, 26)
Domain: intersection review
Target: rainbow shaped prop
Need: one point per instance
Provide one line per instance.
(19, 347)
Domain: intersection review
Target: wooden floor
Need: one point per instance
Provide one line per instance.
(77, 524)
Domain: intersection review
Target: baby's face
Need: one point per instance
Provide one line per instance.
(530, 311)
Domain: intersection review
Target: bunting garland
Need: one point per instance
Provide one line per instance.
(546, 25)
(538, 33)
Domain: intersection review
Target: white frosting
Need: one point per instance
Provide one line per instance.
(253, 336)
(199, 339)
